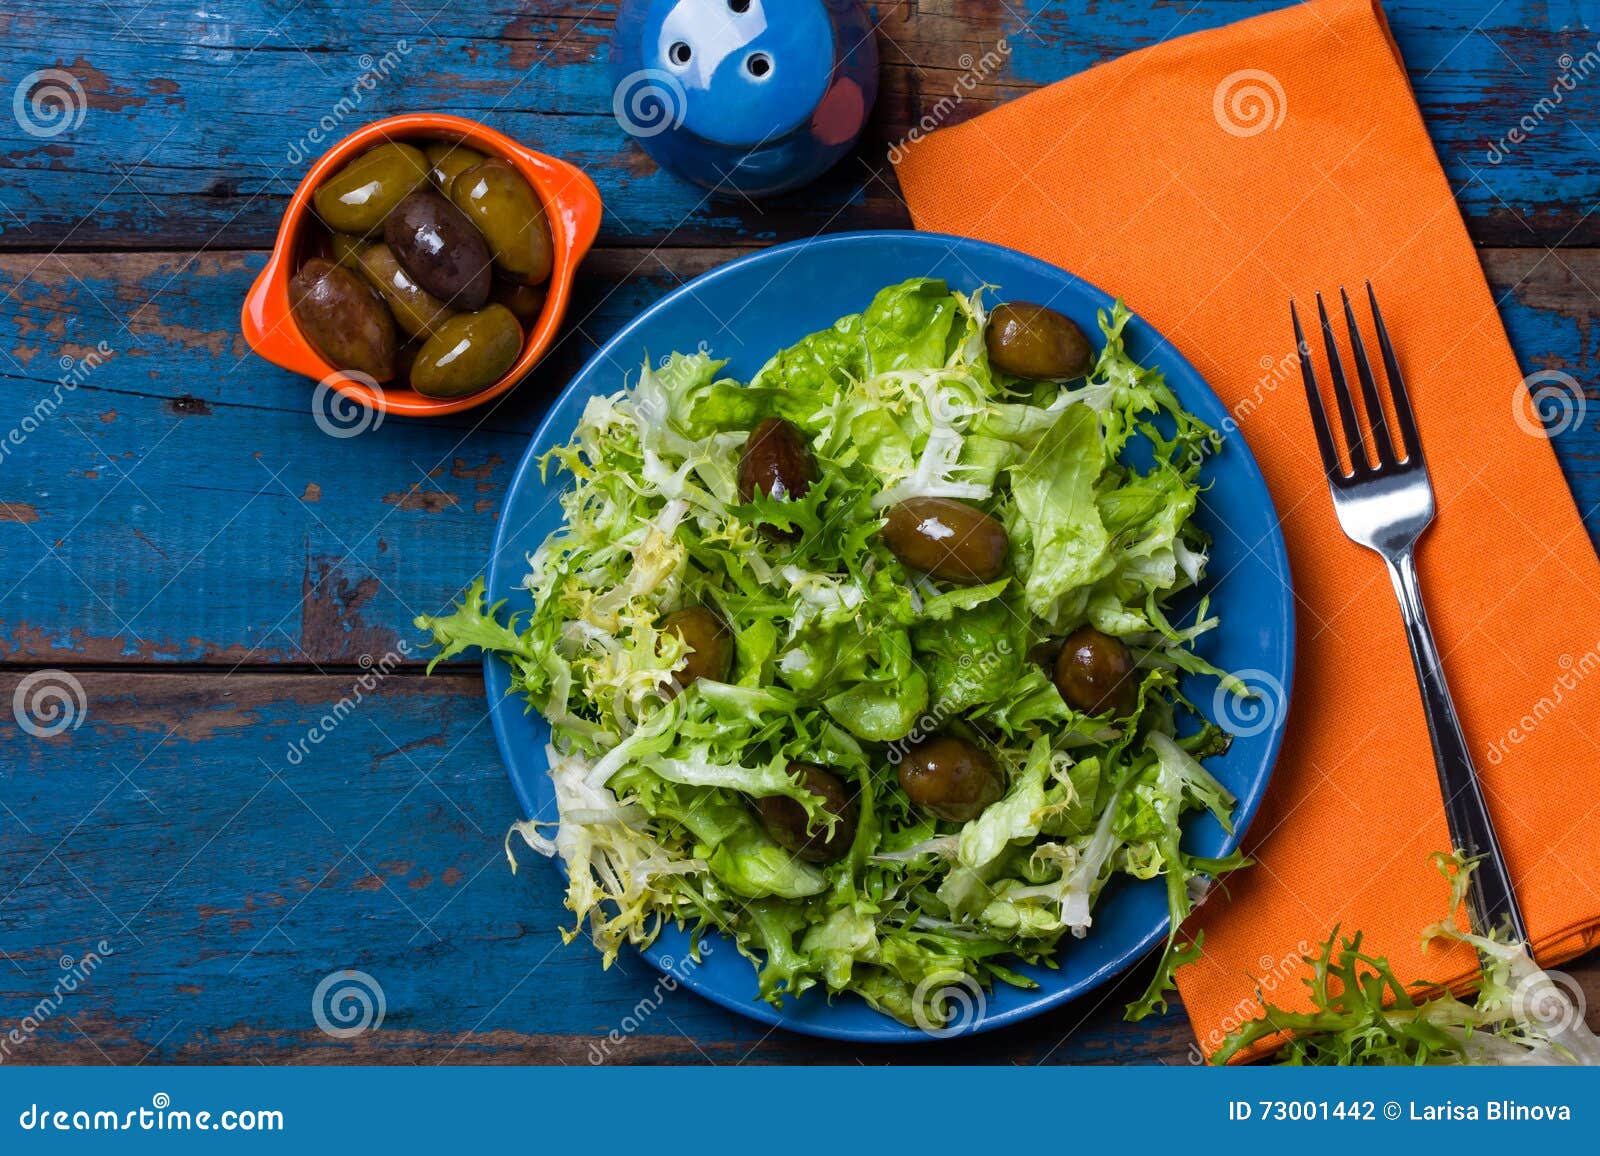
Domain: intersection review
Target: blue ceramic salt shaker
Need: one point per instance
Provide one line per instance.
(747, 96)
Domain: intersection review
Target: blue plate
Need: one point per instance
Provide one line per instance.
(747, 310)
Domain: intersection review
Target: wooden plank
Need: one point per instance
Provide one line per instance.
(180, 505)
(226, 878)
(197, 122)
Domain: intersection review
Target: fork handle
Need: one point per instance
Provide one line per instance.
(1491, 901)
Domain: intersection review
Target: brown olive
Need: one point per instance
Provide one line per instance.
(441, 250)
(785, 819)
(526, 302)
(510, 216)
(343, 319)
(948, 539)
(415, 310)
(1031, 341)
(710, 645)
(951, 778)
(1095, 673)
(776, 463)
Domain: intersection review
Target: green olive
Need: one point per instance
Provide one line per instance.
(358, 197)
(447, 160)
(951, 778)
(343, 319)
(1031, 341)
(785, 820)
(511, 218)
(467, 353)
(1095, 673)
(948, 539)
(345, 249)
(526, 301)
(417, 311)
(709, 643)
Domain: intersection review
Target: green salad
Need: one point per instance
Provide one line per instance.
(867, 662)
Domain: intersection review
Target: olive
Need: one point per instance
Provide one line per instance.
(404, 358)
(776, 463)
(447, 160)
(415, 310)
(951, 778)
(509, 214)
(441, 250)
(1031, 341)
(526, 301)
(948, 539)
(345, 249)
(1095, 673)
(343, 319)
(710, 645)
(785, 819)
(469, 352)
(358, 197)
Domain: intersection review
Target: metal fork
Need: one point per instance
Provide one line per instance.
(1385, 507)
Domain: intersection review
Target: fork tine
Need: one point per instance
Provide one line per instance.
(1376, 418)
(1397, 384)
(1341, 395)
(1319, 416)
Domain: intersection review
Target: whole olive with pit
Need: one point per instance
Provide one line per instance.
(951, 778)
(359, 197)
(1027, 340)
(776, 463)
(786, 822)
(467, 353)
(510, 216)
(708, 643)
(447, 160)
(947, 539)
(343, 319)
(415, 310)
(526, 301)
(1095, 673)
(440, 249)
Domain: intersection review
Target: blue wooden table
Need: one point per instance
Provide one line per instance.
(211, 581)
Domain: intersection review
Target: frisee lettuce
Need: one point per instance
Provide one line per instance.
(843, 658)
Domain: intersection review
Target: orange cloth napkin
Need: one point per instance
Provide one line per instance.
(1207, 180)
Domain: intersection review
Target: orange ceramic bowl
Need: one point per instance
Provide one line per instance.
(571, 203)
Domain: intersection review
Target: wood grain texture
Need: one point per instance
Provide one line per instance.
(199, 122)
(180, 503)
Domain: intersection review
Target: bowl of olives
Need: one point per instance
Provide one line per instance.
(424, 265)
